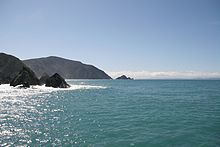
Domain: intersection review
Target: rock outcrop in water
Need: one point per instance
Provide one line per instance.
(25, 77)
(56, 81)
(68, 69)
(123, 77)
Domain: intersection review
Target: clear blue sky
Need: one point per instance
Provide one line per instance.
(116, 35)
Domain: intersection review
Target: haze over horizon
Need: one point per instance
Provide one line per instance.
(142, 39)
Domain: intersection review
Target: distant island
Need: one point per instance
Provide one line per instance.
(123, 77)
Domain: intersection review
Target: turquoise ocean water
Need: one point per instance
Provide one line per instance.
(113, 113)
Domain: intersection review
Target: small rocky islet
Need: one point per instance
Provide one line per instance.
(124, 77)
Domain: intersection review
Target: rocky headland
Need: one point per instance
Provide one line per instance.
(10, 66)
(51, 71)
(14, 72)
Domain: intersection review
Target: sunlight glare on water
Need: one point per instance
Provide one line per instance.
(112, 113)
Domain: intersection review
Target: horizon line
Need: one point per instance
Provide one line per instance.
(165, 74)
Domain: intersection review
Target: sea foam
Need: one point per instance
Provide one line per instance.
(8, 91)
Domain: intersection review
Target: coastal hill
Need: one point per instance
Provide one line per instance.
(68, 69)
(10, 66)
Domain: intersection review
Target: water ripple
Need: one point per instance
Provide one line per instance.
(133, 113)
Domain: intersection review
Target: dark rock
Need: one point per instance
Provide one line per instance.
(56, 81)
(25, 77)
(43, 78)
(68, 69)
(10, 66)
(123, 77)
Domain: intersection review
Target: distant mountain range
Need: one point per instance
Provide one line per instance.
(68, 69)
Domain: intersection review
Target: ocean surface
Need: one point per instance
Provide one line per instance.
(113, 113)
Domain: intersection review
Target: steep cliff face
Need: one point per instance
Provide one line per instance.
(68, 69)
(10, 66)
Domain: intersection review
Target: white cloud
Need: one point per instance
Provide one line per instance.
(165, 75)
